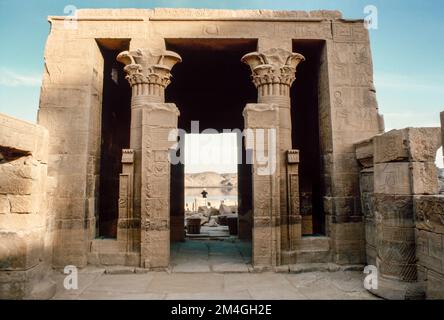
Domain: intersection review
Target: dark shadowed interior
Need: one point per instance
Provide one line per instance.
(211, 86)
(116, 118)
(305, 130)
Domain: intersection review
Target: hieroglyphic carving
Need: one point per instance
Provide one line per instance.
(262, 197)
(312, 30)
(158, 121)
(294, 228)
(429, 213)
(350, 32)
(266, 231)
(392, 178)
(126, 219)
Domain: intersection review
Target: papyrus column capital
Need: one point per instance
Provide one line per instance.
(148, 71)
(273, 70)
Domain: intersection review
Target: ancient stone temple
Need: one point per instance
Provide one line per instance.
(93, 181)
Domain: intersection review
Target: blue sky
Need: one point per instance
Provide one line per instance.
(407, 47)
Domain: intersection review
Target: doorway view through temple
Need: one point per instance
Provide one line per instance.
(211, 224)
(211, 194)
(211, 186)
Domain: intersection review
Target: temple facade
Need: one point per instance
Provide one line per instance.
(96, 180)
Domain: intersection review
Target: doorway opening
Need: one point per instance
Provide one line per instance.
(305, 135)
(211, 87)
(211, 188)
(115, 134)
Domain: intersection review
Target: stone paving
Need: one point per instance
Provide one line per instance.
(216, 270)
(229, 255)
(95, 284)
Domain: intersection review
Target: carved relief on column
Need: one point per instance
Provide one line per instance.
(158, 124)
(262, 127)
(294, 219)
(128, 226)
(148, 72)
(273, 71)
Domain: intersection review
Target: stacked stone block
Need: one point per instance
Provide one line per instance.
(403, 165)
(364, 155)
(429, 219)
(25, 227)
(353, 114)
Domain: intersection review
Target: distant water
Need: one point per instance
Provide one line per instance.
(214, 196)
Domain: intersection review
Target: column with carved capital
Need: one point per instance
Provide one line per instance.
(149, 73)
(273, 73)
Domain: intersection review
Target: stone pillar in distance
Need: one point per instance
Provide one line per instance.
(149, 73)
(273, 73)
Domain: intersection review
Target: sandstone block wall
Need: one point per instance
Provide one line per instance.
(429, 217)
(25, 225)
(71, 110)
(398, 174)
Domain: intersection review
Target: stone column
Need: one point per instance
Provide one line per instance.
(148, 72)
(159, 120)
(262, 130)
(273, 73)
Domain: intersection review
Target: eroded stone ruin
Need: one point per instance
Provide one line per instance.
(91, 182)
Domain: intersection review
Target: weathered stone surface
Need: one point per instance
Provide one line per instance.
(70, 109)
(20, 250)
(425, 178)
(23, 137)
(411, 144)
(364, 153)
(406, 178)
(430, 250)
(435, 285)
(429, 213)
(392, 178)
(23, 204)
(366, 181)
(394, 210)
(24, 232)
(5, 206)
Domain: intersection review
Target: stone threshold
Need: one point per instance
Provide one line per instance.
(292, 268)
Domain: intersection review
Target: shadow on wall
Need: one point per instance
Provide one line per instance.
(25, 242)
(10, 154)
